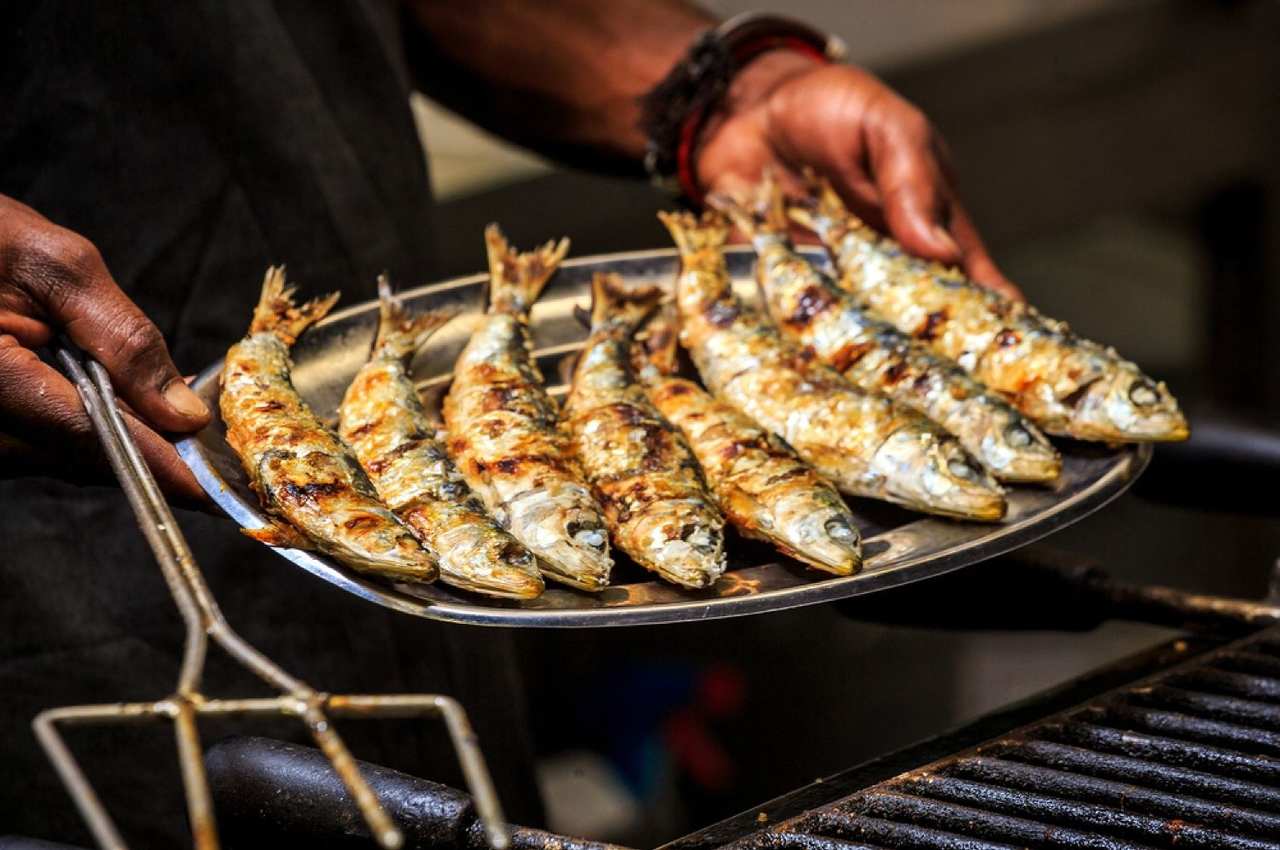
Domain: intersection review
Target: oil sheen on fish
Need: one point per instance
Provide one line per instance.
(300, 470)
(810, 309)
(382, 420)
(1066, 385)
(504, 434)
(655, 501)
(762, 487)
(861, 442)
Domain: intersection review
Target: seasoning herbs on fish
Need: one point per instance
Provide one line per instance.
(656, 504)
(861, 442)
(761, 486)
(1066, 385)
(382, 420)
(810, 309)
(503, 430)
(300, 470)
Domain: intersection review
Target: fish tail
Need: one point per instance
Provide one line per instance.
(762, 212)
(693, 234)
(614, 301)
(515, 279)
(820, 204)
(400, 332)
(655, 352)
(278, 314)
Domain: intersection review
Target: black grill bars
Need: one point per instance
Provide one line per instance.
(1187, 758)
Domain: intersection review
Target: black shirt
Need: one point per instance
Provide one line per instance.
(195, 143)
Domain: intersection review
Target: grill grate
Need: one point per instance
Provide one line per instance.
(1188, 758)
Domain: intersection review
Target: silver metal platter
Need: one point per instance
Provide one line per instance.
(899, 546)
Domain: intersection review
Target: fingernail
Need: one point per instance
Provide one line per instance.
(180, 397)
(945, 240)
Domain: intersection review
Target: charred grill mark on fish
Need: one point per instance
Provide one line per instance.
(1064, 384)
(302, 473)
(857, 440)
(875, 356)
(382, 419)
(503, 427)
(655, 501)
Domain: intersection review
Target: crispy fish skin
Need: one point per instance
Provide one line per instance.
(811, 310)
(861, 442)
(760, 485)
(656, 504)
(504, 434)
(300, 470)
(381, 418)
(1068, 386)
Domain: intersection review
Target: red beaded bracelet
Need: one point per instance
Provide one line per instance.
(675, 111)
(686, 171)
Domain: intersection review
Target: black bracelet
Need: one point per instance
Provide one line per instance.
(673, 110)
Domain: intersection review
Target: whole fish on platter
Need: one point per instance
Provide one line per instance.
(810, 309)
(1067, 385)
(503, 430)
(299, 469)
(655, 501)
(761, 486)
(862, 442)
(382, 420)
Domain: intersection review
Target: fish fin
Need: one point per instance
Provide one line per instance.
(693, 234)
(613, 300)
(820, 202)
(278, 314)
(400, 332)
(759, 212)
(568, 367)
(279, 535)
(656, 343)
(515, 279)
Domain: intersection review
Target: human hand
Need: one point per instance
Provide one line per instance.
(786, 112)
(54, 281)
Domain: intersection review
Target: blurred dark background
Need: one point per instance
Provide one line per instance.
(1121, 160)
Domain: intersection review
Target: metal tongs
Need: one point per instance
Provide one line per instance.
(204, 621)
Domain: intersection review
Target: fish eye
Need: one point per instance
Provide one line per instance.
(697, 537)
(586, 533)
(1018, 436)
(514, 553)
(962, 470)
(1143, 393)
(838, 529)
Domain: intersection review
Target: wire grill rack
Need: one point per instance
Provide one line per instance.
(205, 623)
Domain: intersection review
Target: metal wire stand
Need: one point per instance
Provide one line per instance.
(204, 622)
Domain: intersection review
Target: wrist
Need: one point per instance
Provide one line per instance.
(762, 50)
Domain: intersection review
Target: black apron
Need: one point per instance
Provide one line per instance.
(194, 143)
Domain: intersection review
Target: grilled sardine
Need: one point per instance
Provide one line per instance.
(300, 470)
(810, 309)
(655, 502)
(862, 442)
(382, 420)
(1066, 385)
(503, 430)
(761, 486)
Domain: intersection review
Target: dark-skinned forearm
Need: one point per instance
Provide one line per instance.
(560, 76)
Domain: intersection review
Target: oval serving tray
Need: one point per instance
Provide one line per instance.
(899, 546)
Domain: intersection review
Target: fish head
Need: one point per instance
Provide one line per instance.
(929, 471)
(681, 540)
(562, 527)
(484, 558)
(1021, 453)
(818, 531)
(1125, 405)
